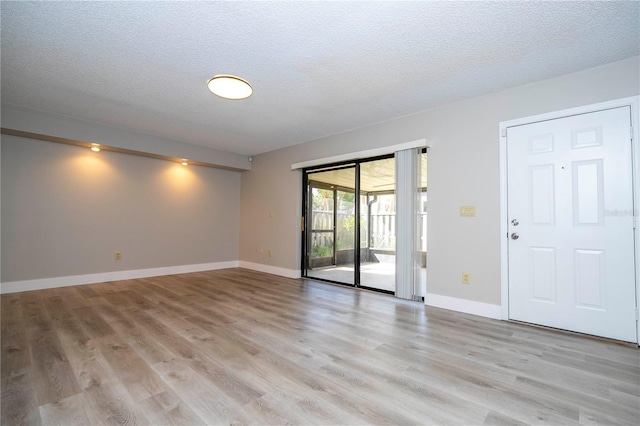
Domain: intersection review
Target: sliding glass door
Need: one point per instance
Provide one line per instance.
(338, 247)
(363, 252)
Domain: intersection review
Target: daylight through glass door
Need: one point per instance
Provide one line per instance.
(350, 226)
(330, 217)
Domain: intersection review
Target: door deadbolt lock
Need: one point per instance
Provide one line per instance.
(515, 236)
(515, 222)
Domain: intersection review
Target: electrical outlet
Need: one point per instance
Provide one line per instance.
(118, 255)
(466, 278)
(269, 254)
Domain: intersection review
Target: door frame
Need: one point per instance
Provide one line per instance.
(633, 103)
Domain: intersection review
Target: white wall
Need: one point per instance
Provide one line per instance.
(66, 210)
(463, 170)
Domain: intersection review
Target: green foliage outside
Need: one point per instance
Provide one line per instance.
(321, 251)
(322, 204)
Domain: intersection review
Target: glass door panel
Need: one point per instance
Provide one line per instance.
(331, 225)
(377, 224)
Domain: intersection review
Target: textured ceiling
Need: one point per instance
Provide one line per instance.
(317, 68)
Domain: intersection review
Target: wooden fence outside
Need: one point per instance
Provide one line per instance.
(383, 230)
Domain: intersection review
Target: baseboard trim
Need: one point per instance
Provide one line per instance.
(46, 283)
(275, 270)
(463, 305)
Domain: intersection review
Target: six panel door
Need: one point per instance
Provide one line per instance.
(570, 212)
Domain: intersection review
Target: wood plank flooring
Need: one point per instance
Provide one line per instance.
(241, 347)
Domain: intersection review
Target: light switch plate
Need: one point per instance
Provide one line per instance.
(467, 211)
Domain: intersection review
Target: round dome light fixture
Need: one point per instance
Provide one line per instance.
(229, 87)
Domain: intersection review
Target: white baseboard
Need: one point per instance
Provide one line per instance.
(275, 270)
(463, 305)
(436, 300)
(45, 283)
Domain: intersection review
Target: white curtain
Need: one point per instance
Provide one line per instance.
(408, 256)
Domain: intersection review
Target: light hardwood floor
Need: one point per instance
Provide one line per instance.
(241, 347)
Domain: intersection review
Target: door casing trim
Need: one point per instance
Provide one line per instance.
(633, 103)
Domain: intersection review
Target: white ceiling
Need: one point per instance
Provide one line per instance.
(317, 68)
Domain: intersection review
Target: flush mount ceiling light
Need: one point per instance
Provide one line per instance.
(229, 87)
(184, 162)
(95, 147)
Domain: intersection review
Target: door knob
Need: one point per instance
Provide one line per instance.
(515, 222)
(515, 236)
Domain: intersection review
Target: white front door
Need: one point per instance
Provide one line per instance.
(570, 212)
